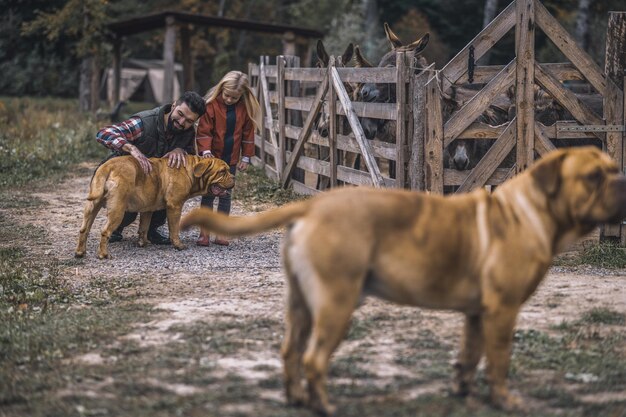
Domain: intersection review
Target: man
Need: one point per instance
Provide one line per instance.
(166, 131)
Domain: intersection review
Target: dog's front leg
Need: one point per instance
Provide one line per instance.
(498, 325)
(173, 224)
(144, 225)
(469, 355)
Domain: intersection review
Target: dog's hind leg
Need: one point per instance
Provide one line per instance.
(469, 355)
(332, 302)
(89, 215)
(115, 215)
(297, 331)
(144, 225)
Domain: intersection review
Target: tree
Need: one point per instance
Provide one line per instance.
(83, 21)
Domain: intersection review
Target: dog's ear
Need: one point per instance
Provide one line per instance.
(202, 167)
(547, 173)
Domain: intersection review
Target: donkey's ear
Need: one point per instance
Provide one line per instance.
(419, 45)
(393, 39)
(322, 55)
(360, 60)
(347, 54)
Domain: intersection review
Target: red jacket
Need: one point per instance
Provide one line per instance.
(212, 129)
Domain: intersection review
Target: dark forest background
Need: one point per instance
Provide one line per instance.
(44, 43)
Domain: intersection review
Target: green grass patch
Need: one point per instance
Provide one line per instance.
(254, 188)
(40, 138)
(604, 255)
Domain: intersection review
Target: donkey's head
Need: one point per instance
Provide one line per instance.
(385, 92)
(323, 121)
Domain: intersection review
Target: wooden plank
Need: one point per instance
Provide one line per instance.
(524, 84)
(303, 189)
(492, 159)
(254, 70)
(562, 71)
(416, 161)
(356, 177)
(542, 142)
(346, 143)
(488, 37)
(401, 139)
(366, 151)
(305, 132)
(455, 177)
(266, 101)
(433, 139)
(477, 104)
(567, 99)
(313, 165)
(350, 75)
(567, 44)
(386, 111)
(480, 130)
(280, 91)
(332, 132)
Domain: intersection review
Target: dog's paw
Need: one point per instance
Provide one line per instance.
(142, 243)
(180, 246)
(79, 255)
(509, 402)
(104, 256)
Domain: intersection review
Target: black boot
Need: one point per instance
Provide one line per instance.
(116, 236)
(157, 238)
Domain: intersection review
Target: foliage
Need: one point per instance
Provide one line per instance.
(41, 137)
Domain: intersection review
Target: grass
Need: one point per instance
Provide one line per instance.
(603, 255)
(254, 189)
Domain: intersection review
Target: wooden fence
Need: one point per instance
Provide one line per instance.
(293, 152)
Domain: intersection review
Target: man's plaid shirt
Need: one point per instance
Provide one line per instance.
(116, 136)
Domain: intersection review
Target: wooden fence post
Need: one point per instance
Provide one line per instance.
(614, 100)
(332, 129)
(293, 117)
(401, 140)
(416, 162)
(280, 91)
(525, 78)
(433, 139)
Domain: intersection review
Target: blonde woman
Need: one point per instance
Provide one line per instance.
(226, 131)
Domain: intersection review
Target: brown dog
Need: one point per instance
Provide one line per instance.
(122, 186)
(481, 254)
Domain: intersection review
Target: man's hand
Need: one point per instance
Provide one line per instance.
(140, 157)
(176, 157)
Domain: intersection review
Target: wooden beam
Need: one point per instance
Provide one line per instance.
(185, 49)
(543, 145)
(524, 83)
(492, 159)
(433, 139)
(305, 132)
(567, 44)
(366, 151)
(488, 37)
(477, 104)
(280, 91)
(266, 100)
(416, 161)
(332, 131)
(169, 48)
(401, 110)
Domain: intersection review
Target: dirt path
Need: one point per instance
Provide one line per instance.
(243, 284)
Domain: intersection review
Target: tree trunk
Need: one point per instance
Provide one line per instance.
(84, 88)
(491, 7)
(582, 24)
(372, 26)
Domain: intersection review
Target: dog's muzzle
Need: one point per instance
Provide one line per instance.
(218, 191)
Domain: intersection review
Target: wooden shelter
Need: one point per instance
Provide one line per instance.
(175, 21)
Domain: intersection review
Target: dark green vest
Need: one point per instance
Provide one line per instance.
(154, 142)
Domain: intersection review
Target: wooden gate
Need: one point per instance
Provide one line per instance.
(281, 144)
(523, 135)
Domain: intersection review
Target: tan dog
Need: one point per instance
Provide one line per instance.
(481, 254)
(122, 186)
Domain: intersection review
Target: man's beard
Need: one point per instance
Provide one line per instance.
(171, 127)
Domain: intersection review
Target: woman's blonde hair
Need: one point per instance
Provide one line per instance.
(237, 81)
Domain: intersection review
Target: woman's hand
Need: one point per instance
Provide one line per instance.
(242, 166)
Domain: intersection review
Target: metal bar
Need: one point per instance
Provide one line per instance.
(591, 128)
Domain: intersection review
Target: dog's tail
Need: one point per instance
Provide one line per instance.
(96, 187)
(222, 224)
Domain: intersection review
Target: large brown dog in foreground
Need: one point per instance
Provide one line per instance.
(122, 186)
(481, 254)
